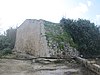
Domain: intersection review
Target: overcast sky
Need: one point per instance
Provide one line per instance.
(14, 12)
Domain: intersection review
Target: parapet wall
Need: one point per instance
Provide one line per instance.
(89, 64)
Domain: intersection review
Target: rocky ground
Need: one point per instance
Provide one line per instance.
(23, 67)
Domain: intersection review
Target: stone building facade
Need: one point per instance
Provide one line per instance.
(30, 38)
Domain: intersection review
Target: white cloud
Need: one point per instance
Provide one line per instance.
(97, 20)
(14, 12)
(78, 11)
(89, 3)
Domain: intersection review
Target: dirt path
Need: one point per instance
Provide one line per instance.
(19, 67)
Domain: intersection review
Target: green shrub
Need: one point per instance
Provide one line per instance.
(85, 35)
(6, 51)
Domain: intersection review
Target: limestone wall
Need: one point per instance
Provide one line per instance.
(30, 38)
(41, 38)
(89, 64)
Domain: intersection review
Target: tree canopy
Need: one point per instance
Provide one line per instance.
(85, 34)
(7, 41)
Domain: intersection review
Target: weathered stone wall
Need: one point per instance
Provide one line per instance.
(30, 38)
(58, 41)
(89, 64)
(41, 38)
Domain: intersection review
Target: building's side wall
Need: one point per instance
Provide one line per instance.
(30, 38)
